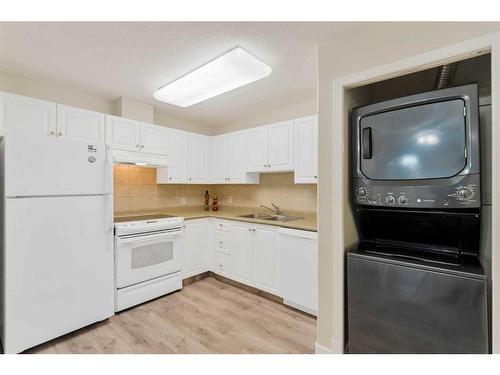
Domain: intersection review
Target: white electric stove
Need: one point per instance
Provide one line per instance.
(148, 259)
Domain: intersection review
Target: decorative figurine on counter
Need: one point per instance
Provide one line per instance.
(207, 201)
(215, 203)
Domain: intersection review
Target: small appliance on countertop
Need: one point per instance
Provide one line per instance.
(148, 259)
(414, 282)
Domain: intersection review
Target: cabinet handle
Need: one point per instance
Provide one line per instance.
(315, 176)
(142, 146)
(138, 146)
(189, 178)
(59, 134)
(170, 178)
(52, 133)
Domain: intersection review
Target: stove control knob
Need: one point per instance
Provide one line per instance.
(390, 199)
(361, 192)
(403, 199)
(464, 193)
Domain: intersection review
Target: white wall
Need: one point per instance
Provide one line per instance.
(376, 45)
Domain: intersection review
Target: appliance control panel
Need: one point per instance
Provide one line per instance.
(465, 193)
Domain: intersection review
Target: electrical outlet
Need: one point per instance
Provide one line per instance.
(229, 199)
(183, 201)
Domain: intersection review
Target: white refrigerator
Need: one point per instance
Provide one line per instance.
(57, 238)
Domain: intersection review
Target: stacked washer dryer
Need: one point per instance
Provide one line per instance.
(415, 283)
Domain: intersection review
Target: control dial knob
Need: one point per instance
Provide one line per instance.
(403, 199)
(361, 192)
(464, 193)
(390, 199)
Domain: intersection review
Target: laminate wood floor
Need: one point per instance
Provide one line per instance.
(208, 316)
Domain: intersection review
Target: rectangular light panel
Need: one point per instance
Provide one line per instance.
(234, 69)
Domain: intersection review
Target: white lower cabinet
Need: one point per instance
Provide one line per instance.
(241, 245)
(265, 248)
(194, 247)
(280, 261)
(298, 269)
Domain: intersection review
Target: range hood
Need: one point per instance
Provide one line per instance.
(139, 158)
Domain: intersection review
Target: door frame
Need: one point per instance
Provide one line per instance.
(489, 43)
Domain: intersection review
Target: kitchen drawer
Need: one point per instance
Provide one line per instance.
(222, 244)
(222, 227)
(221, 263)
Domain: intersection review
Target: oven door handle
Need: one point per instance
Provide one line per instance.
(148, 239)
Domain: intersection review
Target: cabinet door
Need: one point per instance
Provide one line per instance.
(256, 145)
(265, 259)
(241, 248)
(197, 158)
(281, 146)
(78, 124)
(194, 244)
(221, 159)
(27, 114)
(154, 139)
(236, 157)
(298, 269)
(122, 134)
(177, 147)
(306, 150)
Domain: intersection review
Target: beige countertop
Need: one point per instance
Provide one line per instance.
(307, 221)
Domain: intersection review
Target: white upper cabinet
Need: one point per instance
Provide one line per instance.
(256, 146)
(176, 171)
(220, 158)
(27, 114)
(154, 139)
(123, 134)
(229, 160)
(280, 154)
(79, 124)
(270, 148)
(306, 150)
(197, 152)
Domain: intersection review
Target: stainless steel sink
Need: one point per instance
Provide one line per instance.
(271, 217)
(257, 216)
(282, 218)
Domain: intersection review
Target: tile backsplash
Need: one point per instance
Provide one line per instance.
(135, 188)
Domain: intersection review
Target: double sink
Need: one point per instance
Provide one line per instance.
(281, 218)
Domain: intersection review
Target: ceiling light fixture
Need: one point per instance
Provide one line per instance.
(234, 69)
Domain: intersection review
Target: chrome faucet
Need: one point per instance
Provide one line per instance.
(275, 210)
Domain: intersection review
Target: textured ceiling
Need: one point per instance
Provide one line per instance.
(116, 59)
(113, 59)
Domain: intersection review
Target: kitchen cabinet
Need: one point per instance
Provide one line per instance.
(306, 150)
(270, 148)
(154, 139)
(265, 258)
(80, 125)
(27, 115)
(297, 269)
(242, 253)
(122, 133)
(229, 155)
(194, 247)
(130, 135)
(177, 169)
(197, 152)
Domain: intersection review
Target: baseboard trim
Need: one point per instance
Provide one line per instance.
(320, 349)
(337, 347)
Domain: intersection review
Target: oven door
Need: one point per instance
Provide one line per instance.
(143, 257)
(420, 142)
